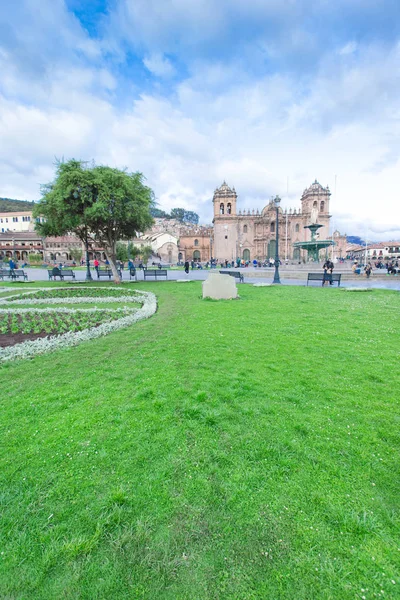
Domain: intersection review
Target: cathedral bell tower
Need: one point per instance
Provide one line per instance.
(225, 223)
(315, 200)
(224, 201)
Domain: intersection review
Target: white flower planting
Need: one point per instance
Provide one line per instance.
(129, 316)
(77, 300)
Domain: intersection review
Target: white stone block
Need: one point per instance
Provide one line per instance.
(219, 287)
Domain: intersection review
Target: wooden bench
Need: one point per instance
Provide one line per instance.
(15, 273)
(5, 273)
(132, 273)
(236, 274)
(155, 273)
(320, 277)
(61, 273)
(107, 273)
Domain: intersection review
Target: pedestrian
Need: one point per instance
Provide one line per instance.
(186, 267)
(96, 267)
(328, 270)
(368, 270)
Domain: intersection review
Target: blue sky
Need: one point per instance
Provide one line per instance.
(266, 94)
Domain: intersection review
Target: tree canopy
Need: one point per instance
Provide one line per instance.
(180, 214)
(98, 203)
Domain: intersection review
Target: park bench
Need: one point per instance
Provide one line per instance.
(320, 277)
(61, 273)
(15, 273)
(107, 273)
(132, 273)
(155, 273)
(5, 273)
(236, 274)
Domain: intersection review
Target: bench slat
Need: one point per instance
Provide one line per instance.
(335, 277)
(155, 273)
(236, 274)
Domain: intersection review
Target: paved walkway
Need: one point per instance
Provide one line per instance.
(251, 275)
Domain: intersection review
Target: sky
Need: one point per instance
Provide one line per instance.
(265, 94)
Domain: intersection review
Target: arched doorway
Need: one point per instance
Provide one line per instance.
(246, 254)
(271, 249)
(196, 255)
(180, 256)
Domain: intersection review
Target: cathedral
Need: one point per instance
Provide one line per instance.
(252, 234)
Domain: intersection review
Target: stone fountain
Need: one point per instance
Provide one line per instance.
(314, 245)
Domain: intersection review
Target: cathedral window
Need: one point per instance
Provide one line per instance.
(297, 228)
(315, 204)
(221, 208)
(322, 206)
(196, 242)
(229, 208)
(272, 229)
(244, 228)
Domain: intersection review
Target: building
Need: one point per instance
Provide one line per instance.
(339, 250)
(196, 243)
(164, 245)
(252, 234)
(20, 244)
(17, 221)
(375, 251)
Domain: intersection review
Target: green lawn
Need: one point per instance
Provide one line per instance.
(239, 450)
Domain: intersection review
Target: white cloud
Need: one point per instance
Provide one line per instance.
(220, 122)
(159, 65)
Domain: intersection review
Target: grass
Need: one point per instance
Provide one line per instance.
(244, 449)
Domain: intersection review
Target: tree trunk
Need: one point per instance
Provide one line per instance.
(113, 265)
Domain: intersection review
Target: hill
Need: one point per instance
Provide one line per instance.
(10, 205)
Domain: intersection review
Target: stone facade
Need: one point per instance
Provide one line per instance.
(252, 234)
(20, 244)
(163, 243)
(196, 244)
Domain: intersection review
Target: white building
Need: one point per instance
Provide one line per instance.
(17, 221)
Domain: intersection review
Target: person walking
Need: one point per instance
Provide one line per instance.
(186, 267)
(96, 266)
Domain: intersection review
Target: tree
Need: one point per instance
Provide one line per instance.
(158, 213)
(34, 258)
(121, 251)
(76, 254)
(146, 252)
(99, 204)
(178, 214)
(191, 217)
(184, 216)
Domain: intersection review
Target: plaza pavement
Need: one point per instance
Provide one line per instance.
(288, 276)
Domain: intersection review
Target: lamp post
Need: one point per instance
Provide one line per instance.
(277, 201)
(88, 272)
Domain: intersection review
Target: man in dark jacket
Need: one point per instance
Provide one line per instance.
(328, 270)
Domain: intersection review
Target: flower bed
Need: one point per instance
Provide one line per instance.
(73, 325)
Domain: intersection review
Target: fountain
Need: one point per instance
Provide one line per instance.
(314, 245)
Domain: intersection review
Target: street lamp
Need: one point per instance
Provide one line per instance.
(277, 202)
